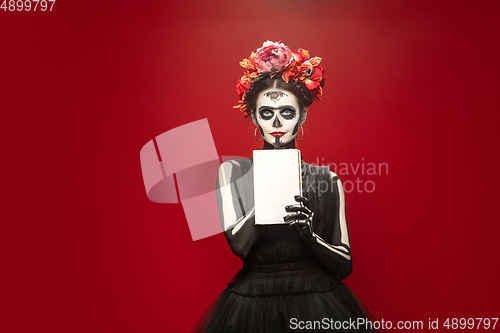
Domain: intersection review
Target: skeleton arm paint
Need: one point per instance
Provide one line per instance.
(238, 223)
(333, 253)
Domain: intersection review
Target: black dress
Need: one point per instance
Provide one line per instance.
(282, 287)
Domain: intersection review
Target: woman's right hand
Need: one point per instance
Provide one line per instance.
(301, 217)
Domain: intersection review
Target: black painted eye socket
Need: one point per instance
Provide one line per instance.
(266, 114)
(288, 114)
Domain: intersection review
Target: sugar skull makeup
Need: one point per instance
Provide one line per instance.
(277, 113)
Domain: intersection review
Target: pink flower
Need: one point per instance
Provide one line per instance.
(273, 57)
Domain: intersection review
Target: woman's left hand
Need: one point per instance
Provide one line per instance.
(300, 217)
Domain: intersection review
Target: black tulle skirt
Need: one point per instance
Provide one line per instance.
(290, 297)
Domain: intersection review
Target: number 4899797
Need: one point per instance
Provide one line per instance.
(27, 5)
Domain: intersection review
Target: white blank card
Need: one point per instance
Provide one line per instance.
(277, 179)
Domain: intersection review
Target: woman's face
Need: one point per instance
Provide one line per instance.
(278, 113)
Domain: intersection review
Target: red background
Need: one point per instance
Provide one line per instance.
(84, 87)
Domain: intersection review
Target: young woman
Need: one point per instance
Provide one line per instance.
(292, 273)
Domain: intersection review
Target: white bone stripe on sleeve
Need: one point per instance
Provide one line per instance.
(238, 224)
(342, 250)
(337, 249)
(228, 208)
(343, 224)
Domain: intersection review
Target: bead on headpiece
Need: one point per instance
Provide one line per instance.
(277, 59)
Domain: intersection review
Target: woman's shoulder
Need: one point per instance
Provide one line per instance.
(237, 163)
(236, 166)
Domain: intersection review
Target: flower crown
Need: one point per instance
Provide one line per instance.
(272, 59)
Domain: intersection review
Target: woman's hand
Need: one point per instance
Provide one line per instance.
(300, 217)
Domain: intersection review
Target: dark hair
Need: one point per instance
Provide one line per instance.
(304, 97)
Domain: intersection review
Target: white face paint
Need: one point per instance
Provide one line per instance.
(277, 113)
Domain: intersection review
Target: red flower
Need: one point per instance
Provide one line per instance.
(300, 55)
(317, 72)
(241, 88)
(311, 84)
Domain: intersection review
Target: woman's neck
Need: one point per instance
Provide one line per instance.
(289, 145)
